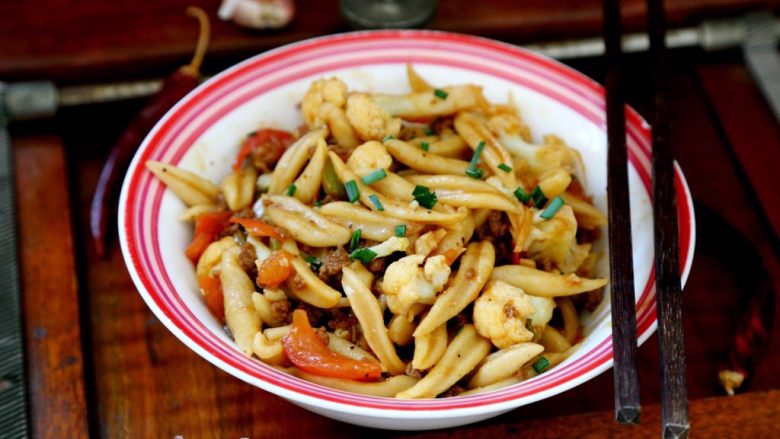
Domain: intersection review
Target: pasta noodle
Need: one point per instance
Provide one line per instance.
(421, 241)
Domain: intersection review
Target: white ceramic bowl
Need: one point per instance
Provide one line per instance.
(203, 131)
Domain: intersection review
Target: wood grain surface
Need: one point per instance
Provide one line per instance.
(91, 40)
(50, 301)
(132, 378)
(145, 383)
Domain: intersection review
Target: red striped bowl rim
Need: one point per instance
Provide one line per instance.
(172, 137)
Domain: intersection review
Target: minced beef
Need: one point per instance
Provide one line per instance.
(453, 391)
(246, 258)
(316, 315)
(344, 319)
(496, 225)
(377, 266)
(412, 372)
(322, 334)
(332, 263)
(281, 310)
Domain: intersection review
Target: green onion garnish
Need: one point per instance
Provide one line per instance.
(314, 263)
(538, 197)
(504, 167)
(522, 195)
(475, 173)
(472, 171)
(374, 176)
(400, 230)
(428, 131)
(387, 137)
(552, 208)
(425, 146)
(317, 203)
(355, 240)
(424, 196)
(541, 364)
(364, 255)
(378, 204)
(291, 190)
(353, 193)
(441, 94)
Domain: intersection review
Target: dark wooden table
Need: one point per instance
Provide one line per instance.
(100, 364)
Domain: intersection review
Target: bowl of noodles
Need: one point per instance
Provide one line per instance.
(397, 229)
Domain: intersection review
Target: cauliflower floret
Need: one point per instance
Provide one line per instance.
(513, 134)
(543, 310)
(322, 96)
(428, 242)
(500, 314)
(406, 283)
(437, 271)
(370, 120)
(553, 242)
(369, 157)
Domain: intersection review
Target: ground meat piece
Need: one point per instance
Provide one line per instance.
(247, 256)
(594, 299)
(495, 229)
(316, 315)
(332, 263)
(344, 319)
(503, 249)
(281, 310)
(341, 151)
(585, 236)
(322, 334)
(377, 266)
(412, 372)
(453, 391)
(460, 320)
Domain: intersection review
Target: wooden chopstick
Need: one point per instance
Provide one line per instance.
(674, 398)
(621, 266)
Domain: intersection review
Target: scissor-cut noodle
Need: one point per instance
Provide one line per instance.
(420, 233)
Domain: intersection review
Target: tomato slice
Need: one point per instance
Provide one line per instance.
(208, 226)
(275, 269)
(258, 227)
(212, 293)
(307, 352)
(275, 140)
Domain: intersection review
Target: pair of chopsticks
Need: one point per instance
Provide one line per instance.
(674, 402)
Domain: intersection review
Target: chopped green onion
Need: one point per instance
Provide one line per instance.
(387, 137)
(428, 131)
(522, 195)
(553, 208)
(538, 197)
(541, 364)
(425, 146)
(353, 193)
(504, 167)
(275, 245)
(400, 230)
(355, 240)
(317, 203)
(441, 94)
(378, 204)
(314, 263)
(291, 190)
(424, 196)
(374, 176)
(475, 173)
(364, 255)
(472, 171)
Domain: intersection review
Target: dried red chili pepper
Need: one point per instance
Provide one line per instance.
(174, 88)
